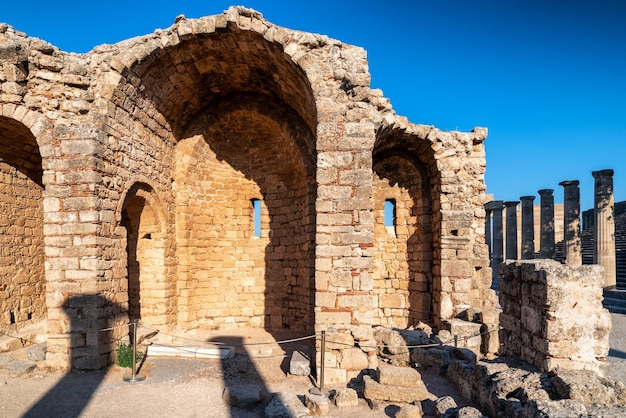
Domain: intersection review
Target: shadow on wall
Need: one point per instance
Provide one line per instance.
(70, 396)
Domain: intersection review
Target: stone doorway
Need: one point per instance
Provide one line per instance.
(22, 275)
(145, 247)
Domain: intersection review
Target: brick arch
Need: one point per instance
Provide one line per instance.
(149, 299)
(22, 269)
(180, 76)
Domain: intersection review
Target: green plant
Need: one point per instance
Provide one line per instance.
(125, 355)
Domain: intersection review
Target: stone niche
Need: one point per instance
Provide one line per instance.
(552, 315)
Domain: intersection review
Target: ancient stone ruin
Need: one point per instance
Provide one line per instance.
(222, 173)
(228, 173)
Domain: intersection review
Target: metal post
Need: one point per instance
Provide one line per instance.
(134, 377)
(456, 341)
(323, 361)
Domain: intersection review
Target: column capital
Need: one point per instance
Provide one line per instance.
(525, 199)
(511, 203)
(602, 173)
(567, 183)
(546, 192)
(494, 205)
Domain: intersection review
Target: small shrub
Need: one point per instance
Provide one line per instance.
(125, 355)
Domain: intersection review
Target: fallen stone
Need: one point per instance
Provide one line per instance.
(21, 365)
(244, 395)
(410, 411)
(589, 388)
(346, 398)
(391, 342)
(430, 357)
(469, 412)
(285, 405)
(399, 376)
(379, 392)
(37, 352)
(468, 333)
(300, 364)
(445, 405)
(415, 337)
(564, 408)
(318, 404)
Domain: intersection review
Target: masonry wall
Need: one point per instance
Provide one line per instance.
(403, 252)
(153, 149)
(552, 315)
(22, 281)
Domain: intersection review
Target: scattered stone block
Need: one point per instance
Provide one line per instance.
(468, 333)
(410, 411)
(445, 405)
(399, 376)
(318, 404)
(37, 352)
(379, 392)
(300, 364)
(21, 366)
(554, 409)
(430, 357)
(245, 396)
(589, 388)
(469, 412)
(346, 398)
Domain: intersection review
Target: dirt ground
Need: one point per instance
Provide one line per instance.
(177, 387)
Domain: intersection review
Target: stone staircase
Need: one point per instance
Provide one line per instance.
(615, 301)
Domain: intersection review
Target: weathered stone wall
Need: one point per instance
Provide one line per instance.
(403, 253)
(552, 315)
(22, 281)
(152, 149)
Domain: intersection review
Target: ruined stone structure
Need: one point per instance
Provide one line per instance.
(552, 315)
(133, 178)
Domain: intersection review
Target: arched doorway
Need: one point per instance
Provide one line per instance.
(22, 275)
(148, 300)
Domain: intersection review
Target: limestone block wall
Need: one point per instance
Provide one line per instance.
(152, 151)
(552, 315)
(403, 251)
(22, 280)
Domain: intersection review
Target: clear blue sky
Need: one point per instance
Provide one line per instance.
(548, 78)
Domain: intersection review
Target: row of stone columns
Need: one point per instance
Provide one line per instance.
(604, 251)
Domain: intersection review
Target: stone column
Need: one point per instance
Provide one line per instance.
(572, 244)
(528, 227)
(511, 229)
(604, 253)
(488, 229)
(497, 242)
(546, 239)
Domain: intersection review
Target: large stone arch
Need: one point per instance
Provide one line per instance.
(405, 173)
(183, 105)
(22, 258)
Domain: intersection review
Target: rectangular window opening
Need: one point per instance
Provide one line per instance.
(390, 215)
(256, 217)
